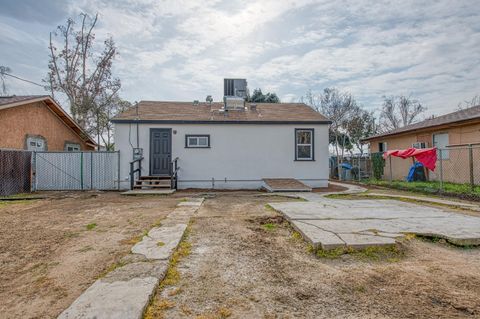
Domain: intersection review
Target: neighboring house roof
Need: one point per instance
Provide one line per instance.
(13, 101)
(204, 113)
(469, 114)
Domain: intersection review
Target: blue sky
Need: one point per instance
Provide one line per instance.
(181, 50)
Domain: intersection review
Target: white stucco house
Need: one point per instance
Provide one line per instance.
(230, 145)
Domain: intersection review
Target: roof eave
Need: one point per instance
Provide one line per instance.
(64, 116)
(421, 129)
(127, 121)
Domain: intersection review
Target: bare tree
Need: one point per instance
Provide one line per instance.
(3, 71)
(337, 106)
(474, 101)
(76, 70)
(399, 111)
(360, 125)
(105, 108)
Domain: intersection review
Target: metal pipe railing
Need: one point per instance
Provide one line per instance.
(133, 170)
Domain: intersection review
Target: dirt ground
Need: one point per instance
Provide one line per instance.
(245, 262)
(51, 250)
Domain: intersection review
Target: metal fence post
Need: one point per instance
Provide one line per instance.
(91, 170)
(441, 168)
(81, 170)
(470, 159)
(34, 172)
(390, 164)
(118, 168)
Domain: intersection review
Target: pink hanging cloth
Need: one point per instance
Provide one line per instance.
(426, 156)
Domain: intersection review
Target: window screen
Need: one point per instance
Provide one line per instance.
(197, 141)
(304, 144)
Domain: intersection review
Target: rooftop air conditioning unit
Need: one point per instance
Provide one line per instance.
(235, 87)
(234, 103)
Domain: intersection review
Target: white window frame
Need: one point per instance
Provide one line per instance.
(189, 138)
(445, 152)
(311, 144)
(419, 145)
(76, 147)
(40, 143)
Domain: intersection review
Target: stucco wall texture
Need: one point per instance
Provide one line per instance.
(35, 119)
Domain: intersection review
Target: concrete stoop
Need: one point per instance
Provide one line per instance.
(285, 185)
(126, 291)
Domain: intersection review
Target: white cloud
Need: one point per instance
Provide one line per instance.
(182, 49)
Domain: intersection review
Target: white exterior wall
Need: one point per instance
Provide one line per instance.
(239, 157)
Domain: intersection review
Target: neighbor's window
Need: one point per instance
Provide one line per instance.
(197, 141)
(72, 147)
(304, 144)
(36, 143)
(440, 141)
(382, 147)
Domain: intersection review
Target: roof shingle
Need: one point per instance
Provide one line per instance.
(454, 117)
(205, 113)
(18, 98)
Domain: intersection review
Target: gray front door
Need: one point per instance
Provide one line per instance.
(160, 151)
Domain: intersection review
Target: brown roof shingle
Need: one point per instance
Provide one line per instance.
(19, 98)
(454, 117)
(186, 112)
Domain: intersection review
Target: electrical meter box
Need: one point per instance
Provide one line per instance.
(137, 153)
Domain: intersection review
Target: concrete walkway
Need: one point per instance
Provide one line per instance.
(126, 291)
(331, 223)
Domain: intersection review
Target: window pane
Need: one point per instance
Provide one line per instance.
(192, 141)
(202, 141)
(304, 151)
(304, 137)
(441, 141)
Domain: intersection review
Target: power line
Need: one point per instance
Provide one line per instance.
(25, 80)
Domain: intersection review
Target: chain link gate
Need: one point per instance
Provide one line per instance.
(15, 172)
(76, 170)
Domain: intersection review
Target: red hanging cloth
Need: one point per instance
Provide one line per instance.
(426, 156)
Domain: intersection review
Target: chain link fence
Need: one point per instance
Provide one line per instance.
(76, 170)
(15, 172)
(26, 171)
(457, 171)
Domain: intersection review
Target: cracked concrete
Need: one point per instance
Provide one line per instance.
(331, 223)
(126, 291)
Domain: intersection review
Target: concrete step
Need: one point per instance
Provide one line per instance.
(156, 177)
(285, 185)
(153, 182)
(150, 186)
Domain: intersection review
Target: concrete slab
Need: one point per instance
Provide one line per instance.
(317, 237)
(119, 299)
(328, 223)
(361, 241)
(156, 269)
(432, 200)
(126, 291)
(285, 185)
(160, 241)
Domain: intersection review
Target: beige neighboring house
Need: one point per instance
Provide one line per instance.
(454, 132)
(38, 123)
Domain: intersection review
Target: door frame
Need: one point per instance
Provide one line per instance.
(152, 130)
